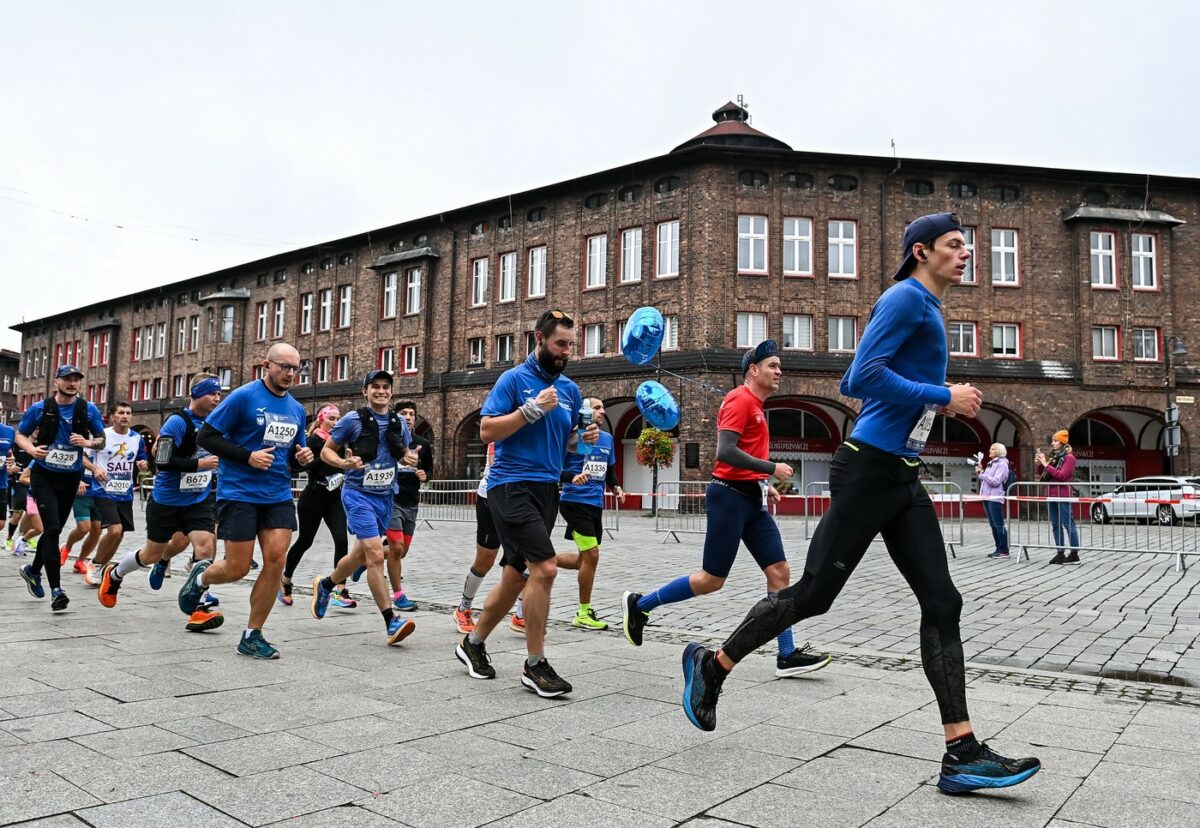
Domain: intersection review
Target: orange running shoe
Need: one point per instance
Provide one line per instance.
(80, 567)
(108, 586)
(517, 624)
(63, 554)
(464, 620)
(89, 575)
(203, 620)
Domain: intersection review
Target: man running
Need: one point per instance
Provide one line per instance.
(255, 432)
(118, 463)
(378, 440)
(531, 416)
(487, 546)
(66, 425)
(406, 502)
(88, 527)
(582, 507)
(899, 371)
(181, 505)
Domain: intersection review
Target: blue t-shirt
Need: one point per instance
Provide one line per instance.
(172, 488)
(63, 457)
(379, 477)
(119, 459)
(900, 367)
(596, 465)
(254, 418)
(535, 452)
(6, 444)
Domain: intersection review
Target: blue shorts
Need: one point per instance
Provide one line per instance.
(367, 514)
(735, 517)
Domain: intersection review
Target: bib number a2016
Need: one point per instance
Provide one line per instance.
(61, 458)
(280, 431)
(194, 481)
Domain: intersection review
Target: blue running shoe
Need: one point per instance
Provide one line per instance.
(210, 600)
(32, 582)
(986, 769)
(156, 574)
(320, 598)
(190, 592)
(702, 680)
(253, 644)
(399, 629)
(358, 573)
(404, 604)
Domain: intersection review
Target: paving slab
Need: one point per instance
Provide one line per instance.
(259, 799)
(156, 811)
(35, 794)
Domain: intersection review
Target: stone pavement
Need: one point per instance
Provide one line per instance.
(120, 718)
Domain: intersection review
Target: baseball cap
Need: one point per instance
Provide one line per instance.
(922, 230)
(374, 375)
(764, 349)
(67, 371)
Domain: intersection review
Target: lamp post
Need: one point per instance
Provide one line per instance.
(1173, 349)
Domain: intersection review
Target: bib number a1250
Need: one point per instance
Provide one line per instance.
(280, 431)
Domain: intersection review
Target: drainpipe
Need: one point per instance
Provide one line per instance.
(883, 223)
(448, 467)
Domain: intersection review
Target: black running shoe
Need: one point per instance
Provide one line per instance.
(635, 620)
(702, 680)
(1058, 559)
(801, 660)
(986, 769)
(475, 657)
(59, 600)
(541, 679)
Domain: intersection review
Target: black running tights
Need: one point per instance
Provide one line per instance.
(317, 504)
(54, 493)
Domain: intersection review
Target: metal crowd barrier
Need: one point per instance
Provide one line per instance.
(681, 508)
(454, 501)
(1145, 518)
(947, 500)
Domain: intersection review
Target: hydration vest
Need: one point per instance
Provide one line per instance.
(48, 425)
(367, 444)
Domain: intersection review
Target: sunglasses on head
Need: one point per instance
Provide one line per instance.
(557, 314)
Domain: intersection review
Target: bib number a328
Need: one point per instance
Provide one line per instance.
(62, 457)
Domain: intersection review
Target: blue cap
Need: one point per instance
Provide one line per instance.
(922, 230)
(764, 349)
(643, 335)
(376, 374)
(658, 407)
(67, 371)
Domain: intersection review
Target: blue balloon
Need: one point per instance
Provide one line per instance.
(658, 407)
(642, 335)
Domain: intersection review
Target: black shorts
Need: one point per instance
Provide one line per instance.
(524, 514)
(113, 512)
(240, 521)
(584, 518)
(162, 522)
(3, 503)
(19, 492)
(485, 528)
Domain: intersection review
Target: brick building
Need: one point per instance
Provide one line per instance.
(1077, 286)
(10, 384)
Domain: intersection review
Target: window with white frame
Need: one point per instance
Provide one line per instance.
(479, 282)
(508, 277)
(194, 333)
(345, 298)
(593, 340)
(160, 339)
(961, 336)
(386, 360)
(324, 318)
(475, 351)
(306, 309)
(260, 322)
(158, 388)
(666, 261)
(1145, 344)
(752, 244)
(322, 369)
(387, 304)
(537, 271)
(135, 392)
(1004, 257)
(670, 340)
(225, 377)
(597, 261)
(146, 390)
(277, 332)
(1006, 341)
(1145, 271)
(412, 291)
(180, 335)
(177, 386)
(751, 329)
(797, 331)
(843, 333)
(504, 348)
(969, 277)
(797, 247)
(137, 348)
(341, 367)
(410, 359)
(843, 250)
(530, 342)
(260, 372)
(1105, 343)
(1103, 259)
(631, 255)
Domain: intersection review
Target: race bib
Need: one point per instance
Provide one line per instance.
(118, 485)
(920, 433)
(196, 481)
(762, 485)
(596, 469)
(280, 430)
(379, 479)
(334, 481)
(62, 457)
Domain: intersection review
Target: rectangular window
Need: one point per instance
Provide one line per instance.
(670, 341)
(260, 372)
(277, 330)
(593, 340)
(135, 390)
(968, 277)
(326, 308)
(135, 354)
(345, 297)
(797, 247)
(843, 333)
(508, 277)
(1004, 257)
(751, 329)
(225, 377)
(194, 332)
(101, 393)
(321, 373)
(961, 337)
(180, 335)
(597, 261)
(341, 368)
(260, 322)
(504, 346)
(1145, 344)
(798, 331)
(1145, 270)
(386, 360)
(1006, 341)
(177, 385)
(1105, 343)
(158, 388)
(475, 351)
(410, 359)
(146, 390)
(530, 342)
(752, 244)
(666, 260)
(412, 291)
(97, 349)
(537, 271)
(306, 310)
(1103, 259)
(387, 304)
(479, 282)
(160, 339)
(843, 250)
(631, 255)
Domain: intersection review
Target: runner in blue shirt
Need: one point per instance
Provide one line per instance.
(123, 456)
(66, 425)
(255, 431)
(531, 414)
(899, 371)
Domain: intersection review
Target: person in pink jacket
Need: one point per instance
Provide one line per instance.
(1059, 467)
(991, 486)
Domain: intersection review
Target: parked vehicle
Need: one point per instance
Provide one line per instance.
(1129, 501)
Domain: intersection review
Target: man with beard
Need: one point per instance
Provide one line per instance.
(531, 416)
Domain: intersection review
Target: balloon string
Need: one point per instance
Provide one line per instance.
(703, 385)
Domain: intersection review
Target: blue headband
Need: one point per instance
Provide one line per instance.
(205, 387)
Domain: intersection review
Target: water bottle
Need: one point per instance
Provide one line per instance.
(585, 420)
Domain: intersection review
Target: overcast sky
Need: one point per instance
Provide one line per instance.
(220, 132)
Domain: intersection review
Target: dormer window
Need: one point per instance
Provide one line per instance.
(918, 187)
(798, 181)
(595, 201)
(669, 184)
(630, 194)
(843, 183)
(753, 179)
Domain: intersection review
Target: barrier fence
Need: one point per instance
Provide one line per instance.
(454, 501)
(681, 508)
(947, 500)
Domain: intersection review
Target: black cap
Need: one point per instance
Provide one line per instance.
(922, 230)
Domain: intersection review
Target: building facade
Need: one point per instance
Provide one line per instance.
(10, 384)
(1074, 300)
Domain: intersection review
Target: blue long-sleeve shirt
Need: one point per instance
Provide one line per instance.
(899, 368)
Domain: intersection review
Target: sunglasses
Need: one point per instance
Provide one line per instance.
(557, 314)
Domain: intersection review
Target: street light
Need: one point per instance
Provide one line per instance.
(1173, 349)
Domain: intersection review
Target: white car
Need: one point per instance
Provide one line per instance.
(1129, 501)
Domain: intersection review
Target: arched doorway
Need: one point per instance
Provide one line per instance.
(1115, 444)
(635, 477)
(470, 454)
(805, 432)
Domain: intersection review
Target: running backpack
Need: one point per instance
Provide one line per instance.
(1011, 479)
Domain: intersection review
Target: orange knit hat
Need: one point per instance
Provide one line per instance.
(1062, 436)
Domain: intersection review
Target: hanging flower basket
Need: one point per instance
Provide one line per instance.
(654, 448)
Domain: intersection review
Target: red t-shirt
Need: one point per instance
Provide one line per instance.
(742, 411)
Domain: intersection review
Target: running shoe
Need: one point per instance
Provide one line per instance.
(342, 600)
(167, 571)
(404, 604)
(1059, 558)
(109, 585)
(253, 644)
(358, 573)
(517, 624)
(399, 629)
(32, 582)
(79, 567)
(541, 679)
(475, 657)
(64, 552)
(156, 574)
(320, 598)
(1073, 558)
(464, 620)
(8, 544)
(203, 620)
(800, 661)
(253, 564)
(33, 543)
(285, 594)
(210, 600)
(587, 618)
(702, 680)
(21, 548)
(190, 592)
(58, 600)
(999, 556)
(89, 576)
(635, 620)
(986, 769)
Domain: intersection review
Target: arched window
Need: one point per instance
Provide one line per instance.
(918, 187)
(420, 240)
(345, 258)
(1095, 196)
(796, 424)
(479, 228)
(535, 215)
(630, 194)
(669, 184)
(798, 181)
(843, 183)
(755, 179)
(635, 429)
(395, 245)
(1006, 193)
(1089, 432)
(504, 222)
(962, 189)
(595, 201)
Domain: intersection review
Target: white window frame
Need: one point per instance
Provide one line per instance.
(180, 335)
(793, 326)
(1102, 259)
(260, 322)
(751, 328)
(837, 329)
(752, 244)
(388, 296)
(225, 377)
(970, 275)
(194, 333)
(345, 305)
(341, 367)
(412, 291)
(596, 267)
(137, 346)
(593, 339)
(479, 282)
(631, 255)
(177, 386)
(325, 316)
(843, 242)
(411, 355)
(537, 272)
(1006, 249)
(1106, 343)
(666, 260)
(306, 309)
(321, 372)
(280, 317)
(504, 348)
(1144, 275)
(1004, 328)
(476, 348)
(670, 340)
(1142, 337)
(963, 328)
(160, 340)
(507, 287)
(797, 246)
(385, 359)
